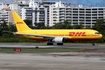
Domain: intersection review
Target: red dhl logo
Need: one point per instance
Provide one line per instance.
(19, 22)
(77, 33)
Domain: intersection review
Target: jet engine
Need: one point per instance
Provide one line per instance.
(58, 39)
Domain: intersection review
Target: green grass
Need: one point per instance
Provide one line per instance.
(39, 50)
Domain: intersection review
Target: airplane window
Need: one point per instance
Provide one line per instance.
(97, 33)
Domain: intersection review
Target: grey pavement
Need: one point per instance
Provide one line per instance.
(34, 61)
(43, 45)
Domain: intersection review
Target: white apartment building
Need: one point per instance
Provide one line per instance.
(87, 15)
(55, 12)
(37, 15)
(6, 8)
(4, 11)
(37, 12)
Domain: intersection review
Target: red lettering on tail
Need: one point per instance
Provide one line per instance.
(19, 22)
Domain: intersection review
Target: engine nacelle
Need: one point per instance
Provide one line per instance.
(58, 39)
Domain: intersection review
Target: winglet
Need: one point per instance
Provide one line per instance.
(20, 24)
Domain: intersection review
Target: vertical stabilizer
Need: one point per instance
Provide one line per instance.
(20, 24)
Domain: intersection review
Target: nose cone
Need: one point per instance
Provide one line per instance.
(100, 36)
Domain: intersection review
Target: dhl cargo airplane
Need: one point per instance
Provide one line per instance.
(58, 36)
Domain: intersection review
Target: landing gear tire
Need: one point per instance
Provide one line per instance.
(93, 44)
(59, 43)
(49, 43)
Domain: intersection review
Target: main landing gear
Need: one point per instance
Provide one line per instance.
(93, 43)
(50, 43)
(59, 43)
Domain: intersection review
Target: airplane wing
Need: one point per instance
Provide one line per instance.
(41, 35)
(36, 35)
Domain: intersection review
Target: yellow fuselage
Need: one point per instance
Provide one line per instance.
(72, 34)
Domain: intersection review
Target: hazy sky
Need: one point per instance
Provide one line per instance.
(88, 2)
(77, 2)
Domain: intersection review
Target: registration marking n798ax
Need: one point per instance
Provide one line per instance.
(77, 33)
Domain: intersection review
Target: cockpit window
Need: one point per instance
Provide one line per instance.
(97, 33)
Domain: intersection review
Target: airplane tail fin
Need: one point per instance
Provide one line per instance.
(20, 24)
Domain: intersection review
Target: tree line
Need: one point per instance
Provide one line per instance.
(99, 26)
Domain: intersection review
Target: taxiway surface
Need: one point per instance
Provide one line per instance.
(43, 45)
(27, 61)
(52, 61)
